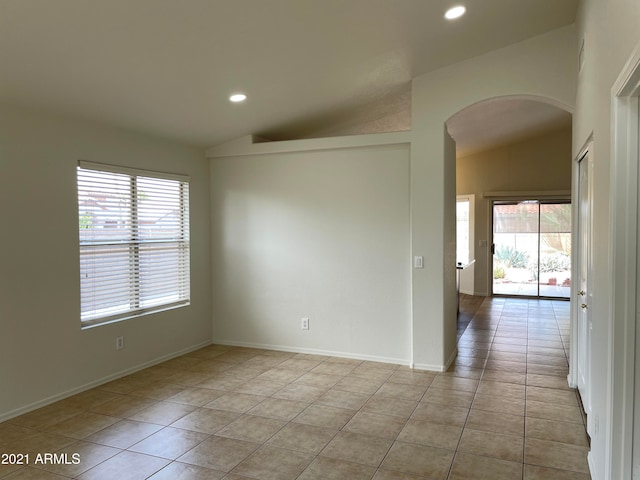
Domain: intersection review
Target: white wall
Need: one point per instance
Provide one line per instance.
(320, 233)
(543, 66)
(610, 31)
(43, 351)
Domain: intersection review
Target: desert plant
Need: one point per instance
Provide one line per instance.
(556, 262)
(498, 272)
(511, 257)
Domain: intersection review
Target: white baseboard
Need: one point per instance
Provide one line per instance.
(314, 351)
(437, 368)
(101, 381)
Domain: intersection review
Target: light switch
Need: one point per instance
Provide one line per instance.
(418, 262)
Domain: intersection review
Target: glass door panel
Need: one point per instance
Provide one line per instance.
(532, 248)
(515, 248)
(555, 250)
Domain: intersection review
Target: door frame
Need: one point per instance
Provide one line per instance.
(623, 344)
(585, 155)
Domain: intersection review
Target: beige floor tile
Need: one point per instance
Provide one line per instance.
(401, 390)
(467, 466)
(552, 395)
(357, 448)
(169, 443)
(322, 380)
(235, 402)
(280, 375)
(158, 390)
(123, 434)
(259, 387)
(455, 383)
(462, 371)
(47, 416)
(491, 403)
(252, 428)
(206, 420)
(556, 455)
(490, 444)
(219, 453)
(495, 422)
(324, 468)
(224, 381)
(441, 414)
(89, 399)
(390, 406)
(430, 462)
(123, 406)
(504, 376)
(448, 397)
(272, 463)
(501, 389)
(553, 370)
(125, 466)
(341, 369)
(300, 393)
(412, 378)
(184, 471)
(196, 396)
(163, 413)
(124, 385)
(553, 411)
(386, 426)
(343, 399)
(535, 472)
(358, 385)
(532, 358)
(303, 438)
(371, 373)
(325, 416)
(547, 381)
(278, 408)
(83, 425)
(431, 434)
(301, 364)
(571, 433)
(384, 474)
(39, 442)
(503, 366)
(187, 378)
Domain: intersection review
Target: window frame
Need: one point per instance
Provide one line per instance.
(134, 281)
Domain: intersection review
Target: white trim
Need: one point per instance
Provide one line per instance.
(245, 146)
(103, 167)
(96, 383)
(315, 351)
(542, 194)
(623, 262)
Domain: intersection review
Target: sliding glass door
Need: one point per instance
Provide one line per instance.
(532, 248)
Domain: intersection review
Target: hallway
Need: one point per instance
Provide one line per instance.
(519, 349)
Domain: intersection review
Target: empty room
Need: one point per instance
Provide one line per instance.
(232, 245)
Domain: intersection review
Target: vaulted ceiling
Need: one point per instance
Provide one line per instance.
(309, 67)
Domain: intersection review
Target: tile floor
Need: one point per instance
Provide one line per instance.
(503, 411)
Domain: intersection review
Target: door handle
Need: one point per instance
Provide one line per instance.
(581, 293)
(493, 249)
(583, 306)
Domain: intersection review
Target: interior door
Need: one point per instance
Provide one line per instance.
(583, 290)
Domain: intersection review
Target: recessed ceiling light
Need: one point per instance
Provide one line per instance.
(238, 97)
(455, 12)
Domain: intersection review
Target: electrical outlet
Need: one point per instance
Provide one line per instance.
(119, 343)
(305, 323)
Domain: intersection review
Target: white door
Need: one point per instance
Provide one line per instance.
(583, 290)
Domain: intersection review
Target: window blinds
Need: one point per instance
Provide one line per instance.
(134, 242)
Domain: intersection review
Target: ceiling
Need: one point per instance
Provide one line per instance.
(309, 67)
(502, 121)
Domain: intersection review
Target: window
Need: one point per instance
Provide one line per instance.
(134, 242)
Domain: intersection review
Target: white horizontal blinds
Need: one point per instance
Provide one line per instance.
(134, 243)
